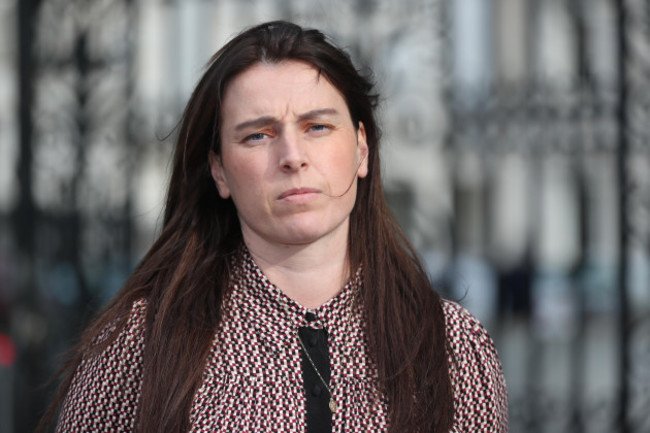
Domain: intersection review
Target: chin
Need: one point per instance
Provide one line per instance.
(301, 237)
(305, 234)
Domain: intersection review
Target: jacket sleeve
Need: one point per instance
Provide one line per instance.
(105, 388)
(480, 395)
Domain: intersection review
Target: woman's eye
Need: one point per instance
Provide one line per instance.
(256, 137)
(319, 128)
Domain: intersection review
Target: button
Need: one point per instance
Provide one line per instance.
(310, 317)
(313, 340)
(316, 390)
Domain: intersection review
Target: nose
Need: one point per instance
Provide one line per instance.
(293, 155)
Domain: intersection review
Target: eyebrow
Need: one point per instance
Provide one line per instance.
(266, 120)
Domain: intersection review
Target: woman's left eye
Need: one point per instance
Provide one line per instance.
(319, 128)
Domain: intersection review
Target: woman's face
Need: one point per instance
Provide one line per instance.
(290, 155)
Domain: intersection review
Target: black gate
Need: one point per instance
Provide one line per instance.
(539, 222)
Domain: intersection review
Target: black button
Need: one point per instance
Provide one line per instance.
(310, 317)
(313, 340)
(316, 390)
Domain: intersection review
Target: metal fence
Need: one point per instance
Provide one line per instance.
(517, 137)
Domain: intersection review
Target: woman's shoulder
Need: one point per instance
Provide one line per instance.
(105, 387)
(480, 395)
(462, 326)
(132, 328)
(119, 339)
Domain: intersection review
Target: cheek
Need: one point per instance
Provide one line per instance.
(344, 164)
(246, 184)
(237, 170)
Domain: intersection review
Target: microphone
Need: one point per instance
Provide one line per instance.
(354, 176)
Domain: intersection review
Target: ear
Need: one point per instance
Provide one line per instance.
(217, 172)
(362, 151)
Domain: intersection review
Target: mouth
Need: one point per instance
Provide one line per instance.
(296, 192)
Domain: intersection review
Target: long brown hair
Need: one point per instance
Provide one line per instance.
(185, 274)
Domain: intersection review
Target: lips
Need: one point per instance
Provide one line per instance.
(297, 192)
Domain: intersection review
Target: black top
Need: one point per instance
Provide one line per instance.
(319, 416)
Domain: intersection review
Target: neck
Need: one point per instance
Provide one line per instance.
(309, 274)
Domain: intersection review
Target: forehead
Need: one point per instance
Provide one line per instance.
(273, 88)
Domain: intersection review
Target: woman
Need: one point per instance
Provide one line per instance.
(281, 295)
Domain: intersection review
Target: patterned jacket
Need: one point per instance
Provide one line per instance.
(253, 378)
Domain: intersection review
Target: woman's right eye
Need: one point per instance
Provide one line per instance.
(258, 136)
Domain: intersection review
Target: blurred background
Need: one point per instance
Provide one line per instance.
(516, 151)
